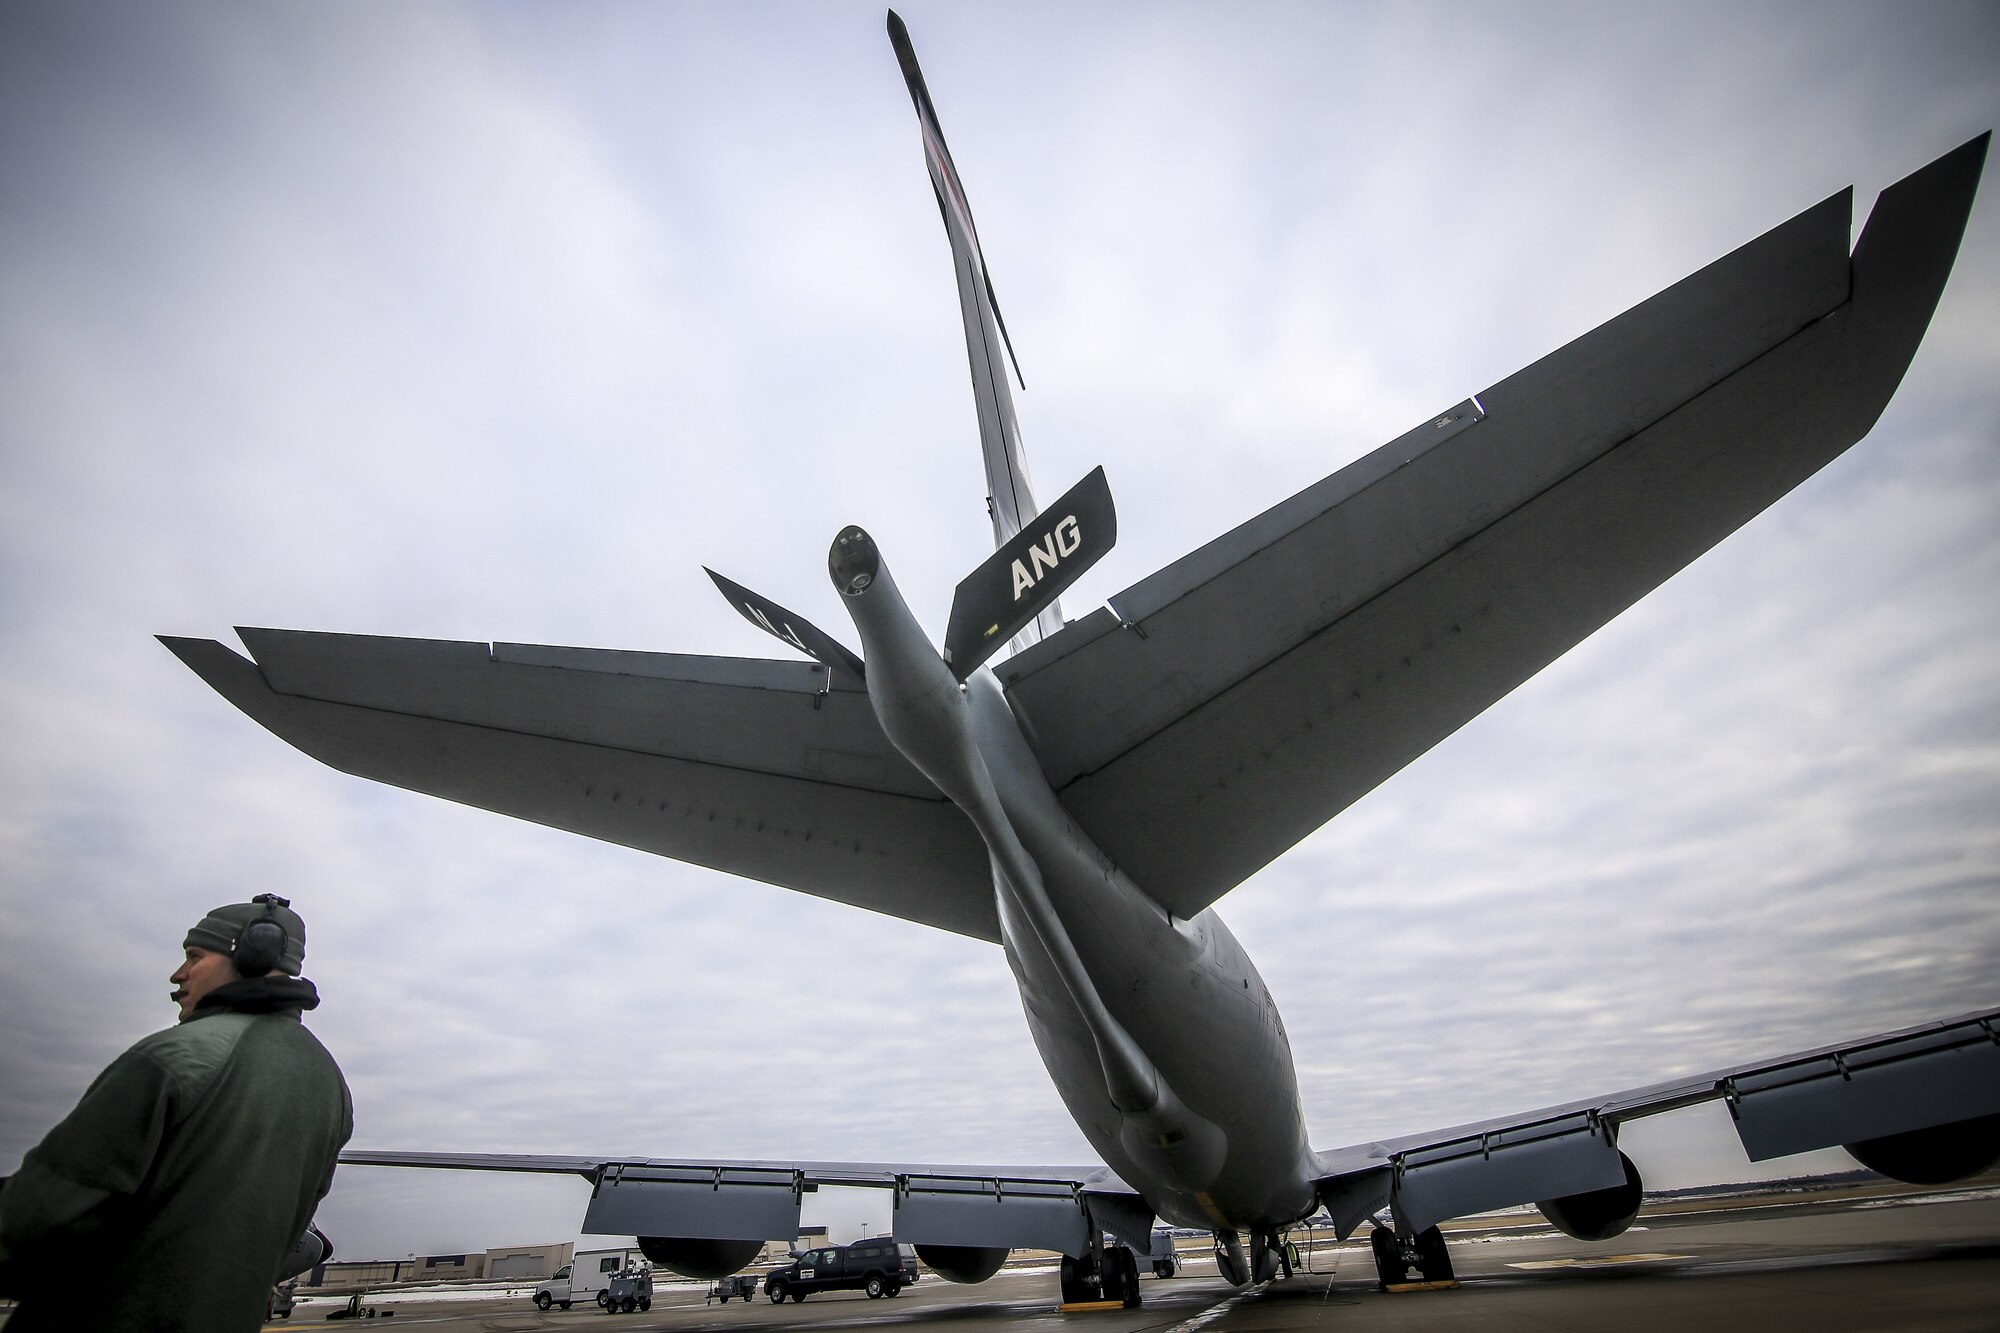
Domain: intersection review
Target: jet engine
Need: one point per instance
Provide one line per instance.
(1934, 1156)
(963, 1263)
(1597, 1214)
(697, 1257)
(311, 1250)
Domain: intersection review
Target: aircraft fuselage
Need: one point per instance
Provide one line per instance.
(1159, 1033)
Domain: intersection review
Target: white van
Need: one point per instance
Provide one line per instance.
(586, 1277)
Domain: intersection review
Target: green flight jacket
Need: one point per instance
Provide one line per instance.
(166, 1201)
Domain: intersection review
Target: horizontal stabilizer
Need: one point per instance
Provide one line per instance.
(1027, 574)
(796, 630)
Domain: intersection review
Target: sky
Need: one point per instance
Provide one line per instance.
(497, 322)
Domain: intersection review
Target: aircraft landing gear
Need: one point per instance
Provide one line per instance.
(1269, 1258)
(1109, 1273)
(1397, 1255)
(1230, 1260)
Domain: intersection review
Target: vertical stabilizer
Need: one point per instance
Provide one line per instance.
(1010, 498)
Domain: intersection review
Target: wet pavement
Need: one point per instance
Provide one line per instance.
(1922, 1261)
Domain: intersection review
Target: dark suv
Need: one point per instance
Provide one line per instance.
(878, 1267)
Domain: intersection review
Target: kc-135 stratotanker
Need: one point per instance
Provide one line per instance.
(1084, 802)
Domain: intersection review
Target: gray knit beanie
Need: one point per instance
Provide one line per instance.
(218, 930)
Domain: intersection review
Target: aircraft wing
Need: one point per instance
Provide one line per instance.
(1014, 1207)
(1871, 1095)
(776, 771)
(1224, 708)
(1934, 1077)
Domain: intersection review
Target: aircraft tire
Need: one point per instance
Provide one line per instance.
(1389, 1266)
(1433, 1259)
(1128, 1276)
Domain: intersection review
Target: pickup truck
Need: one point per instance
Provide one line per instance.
(879, 1267)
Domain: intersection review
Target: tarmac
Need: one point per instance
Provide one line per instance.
(1870, 1259)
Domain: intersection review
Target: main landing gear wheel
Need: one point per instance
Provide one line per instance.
(1102, 1275)
(1080, 1281)
(1433, 1260)
(1389, 1266)
(1396, 1255)
(1125, 1266)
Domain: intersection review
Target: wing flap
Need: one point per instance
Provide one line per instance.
(1896, 1083)
(1031, 1207)
(761, 776)
(1258, 687)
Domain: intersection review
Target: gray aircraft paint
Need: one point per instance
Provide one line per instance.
(1108, 783)
(1127, 1006)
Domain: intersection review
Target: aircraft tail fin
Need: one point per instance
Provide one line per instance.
(1010, 497)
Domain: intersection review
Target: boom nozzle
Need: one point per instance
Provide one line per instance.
(853, 561)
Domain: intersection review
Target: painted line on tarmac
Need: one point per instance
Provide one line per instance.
(1604, 1261)
(1219, 1309)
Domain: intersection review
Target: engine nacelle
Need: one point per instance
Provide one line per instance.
(963, 1263)
(697, 1257)
(1934, 1156)
(311, 1250)
(1597, 1214)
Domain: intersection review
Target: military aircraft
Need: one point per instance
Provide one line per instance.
(1083, 800)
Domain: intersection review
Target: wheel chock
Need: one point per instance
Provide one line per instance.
(1447, 1285)
(1085, 1307)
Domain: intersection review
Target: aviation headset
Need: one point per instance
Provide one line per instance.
(261, 944)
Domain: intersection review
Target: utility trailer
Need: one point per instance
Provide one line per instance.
(740, 1285)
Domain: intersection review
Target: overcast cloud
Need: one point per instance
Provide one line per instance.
(497, 321)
